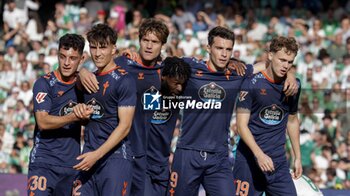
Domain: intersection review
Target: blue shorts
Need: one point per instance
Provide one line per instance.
(112, 177)
(139, 175)
(191, 168)
(250, 180)
(157, 179)
(44, 179)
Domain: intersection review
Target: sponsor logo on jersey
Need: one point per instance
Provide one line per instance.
(67, 109)
(212, 92)
(40, 97)
(160, 117)
(98, 108)
(151, 99)
(271, 115)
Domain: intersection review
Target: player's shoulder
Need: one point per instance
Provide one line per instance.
(124, 61)
(48, 79)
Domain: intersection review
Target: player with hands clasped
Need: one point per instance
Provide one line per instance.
(57, 130)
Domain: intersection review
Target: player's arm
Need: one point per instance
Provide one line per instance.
(290, 86)
(294, 135)
(119, 133)
(265, 162)
(47, 122)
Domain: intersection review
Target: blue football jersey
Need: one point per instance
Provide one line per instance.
(117, 89)
(161, 128)
(269, 109)
(60, 146)
(146, 79)
(208, 110)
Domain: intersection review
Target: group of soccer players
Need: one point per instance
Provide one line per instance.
(126, 148)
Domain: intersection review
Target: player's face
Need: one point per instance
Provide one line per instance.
(150, 47)
(102, 55)
(172, 86)
(220, 52)
(69, 61)
(281, 62)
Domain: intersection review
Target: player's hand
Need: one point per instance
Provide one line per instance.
(82, 111)
(265, 163)
(88, 80)
(298, 169)
(131, 54)
(88, 160)
(237, 65)
(291, 85)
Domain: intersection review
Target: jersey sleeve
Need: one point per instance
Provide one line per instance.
(294, 100)
(127, 92)
(42, 98)
(245, 95)
(249, 71)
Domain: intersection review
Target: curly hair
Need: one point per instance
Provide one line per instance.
(75, 41)
(280, 42)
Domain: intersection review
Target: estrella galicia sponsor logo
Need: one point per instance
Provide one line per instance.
(151, 99)
(212, 92)
(160, 117)
(67, 109)
(99, 110)
(271, 115)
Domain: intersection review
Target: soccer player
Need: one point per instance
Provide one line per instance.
(145, 70)
(201, 156)
(161, 123)
(106, 162)
(57, 130)
(264, 113)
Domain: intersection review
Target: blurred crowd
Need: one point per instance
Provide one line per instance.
(28, 49)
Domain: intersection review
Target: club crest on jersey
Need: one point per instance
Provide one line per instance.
(67, 109)
(40, 97)
(271, 115)
(98, 108)
(151, 99)
(160, 117)
(212, 92)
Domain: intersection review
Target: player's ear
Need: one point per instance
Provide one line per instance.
(269, 56)
(208, 49)
(114, 49)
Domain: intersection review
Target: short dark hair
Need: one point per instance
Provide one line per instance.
(280, 42)
(155, 26)
(102, 34)
(221, 32)
(75, 41)
(175, 67)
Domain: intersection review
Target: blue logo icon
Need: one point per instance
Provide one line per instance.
(151, 100)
